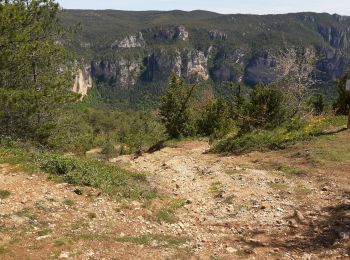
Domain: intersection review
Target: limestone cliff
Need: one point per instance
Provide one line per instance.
(121, 73)
(130, 41)
(83, 81)
(156, 66)
(137, 54)
(197, 66)
(170, 33)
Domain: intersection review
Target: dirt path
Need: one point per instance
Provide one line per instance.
(214, 207)
(235, 210)
(42, 219)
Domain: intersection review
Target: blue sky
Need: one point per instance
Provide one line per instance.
(221, 6)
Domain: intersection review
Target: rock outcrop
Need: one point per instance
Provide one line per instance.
(228, 66)
(157, 66)
(160, 64)
(121, 73)
(336, 37)
(197, 66)
(130, 41)
(216, 35)
(259, 70)
(83, 81)
(332, 65)
(172, 33)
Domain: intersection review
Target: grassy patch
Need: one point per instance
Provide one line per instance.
(4, 250)
(79, 225)
(69, 203)
(291, 170)
(59, 242)
(44, 232)
(177, 204)
(332, 148)
(78, 171)
(215, 188)
(278, 138)
(302, 189)
(4, 194)
(167, 214)
(92, 215)
(27, 213)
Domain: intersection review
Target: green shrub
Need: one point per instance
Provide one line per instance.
(342, 105)
(4, 194)
(264, 109)
(87, 172)
(215, 119)
(73, 133)
(108, 150)
(78, 191)
(292, 131)
(109, 178)
(318, 104)
(176, 109)
(92, 215)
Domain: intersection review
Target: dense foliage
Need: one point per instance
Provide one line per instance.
(35, 69)
(176, 108)
(342, 105)
(83, 127)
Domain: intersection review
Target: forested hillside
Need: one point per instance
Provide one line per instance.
(132, 54)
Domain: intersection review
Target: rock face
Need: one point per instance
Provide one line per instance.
(197, 66)
(83, 81)
(221, 48)
(229, 66)
(160, 64)
(332, 65)
(157, 66)
(172, 33)
(216, 35)
(130, 41)
(121, 73)
(337, 38)
(259, 70)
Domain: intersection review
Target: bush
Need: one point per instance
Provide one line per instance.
(73, 133)
(176, 109)
(290, 132)
(58, 165)
(82, 127)
(109, 151)
(215, 119)
(317, 103)
(87, 172)
(342, 105)
(264, 110)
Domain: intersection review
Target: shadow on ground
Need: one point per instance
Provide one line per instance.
(330, 230)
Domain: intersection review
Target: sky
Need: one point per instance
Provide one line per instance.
(341, 7)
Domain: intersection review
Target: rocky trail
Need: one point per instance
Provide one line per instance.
(213, 207)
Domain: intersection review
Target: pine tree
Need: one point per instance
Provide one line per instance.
(176, 108)
(36, 72)
(342, 105)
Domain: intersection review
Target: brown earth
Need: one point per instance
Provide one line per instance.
(291, 204)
